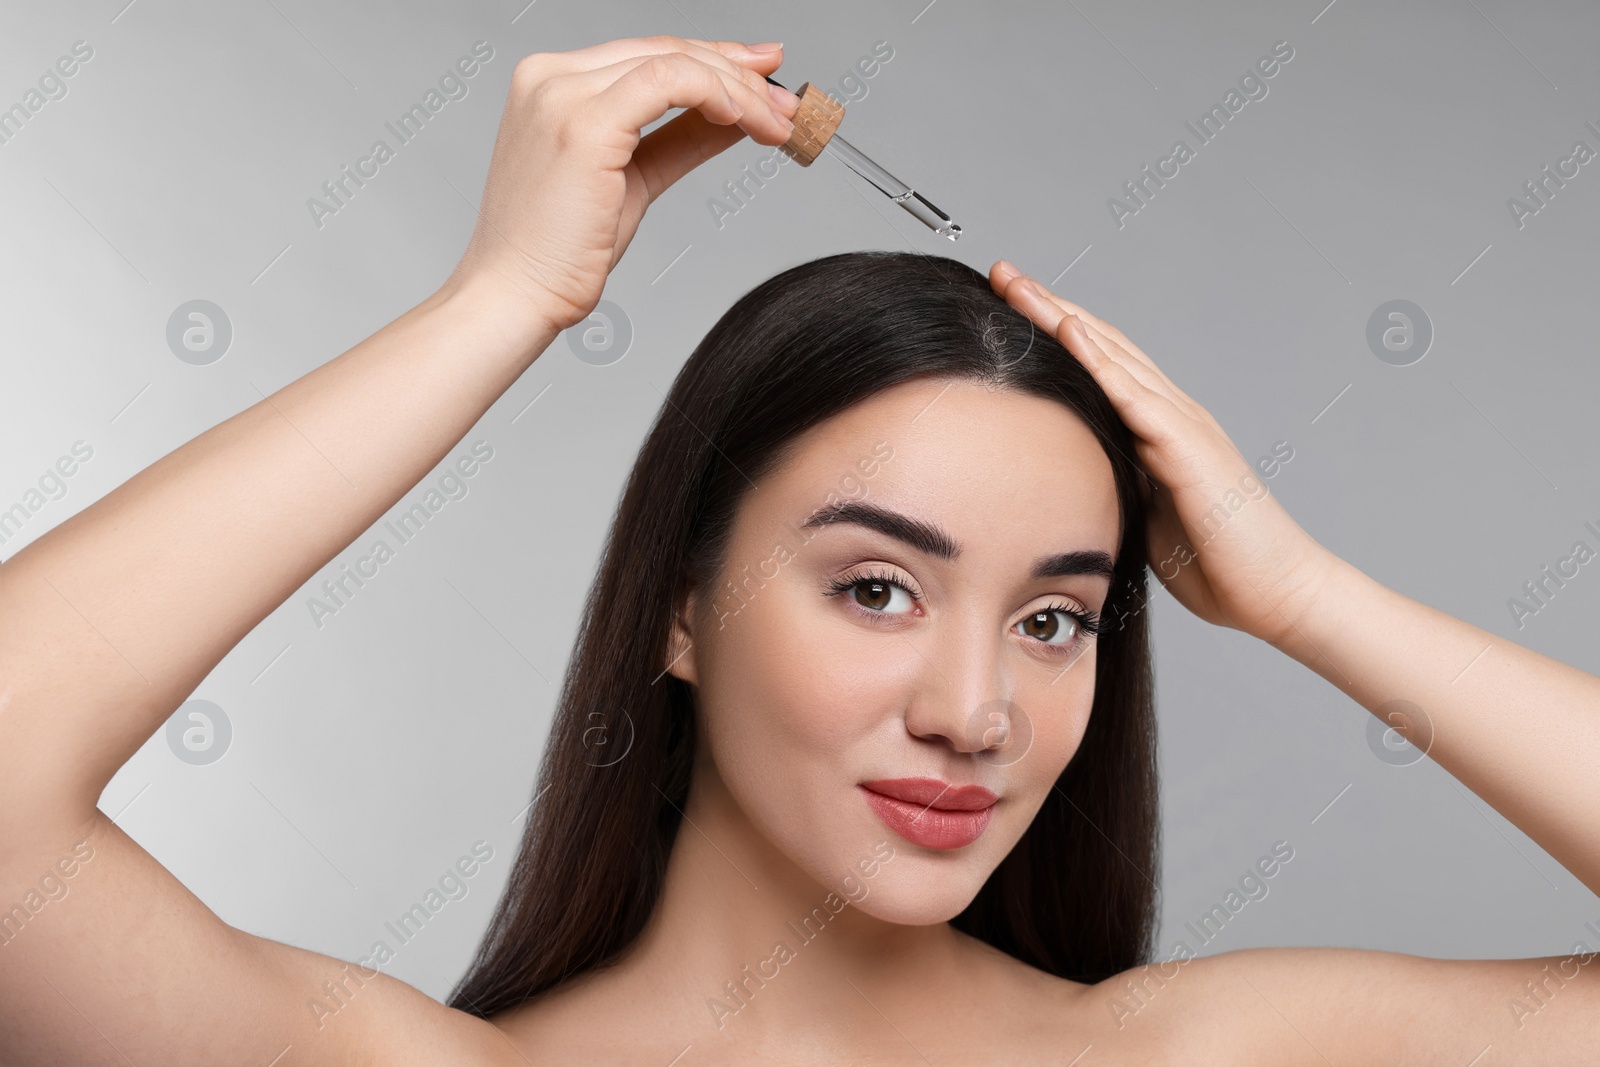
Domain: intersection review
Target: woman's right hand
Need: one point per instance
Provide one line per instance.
(571, 176)
(109, 621)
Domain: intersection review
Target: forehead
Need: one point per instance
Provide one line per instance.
(992, 466)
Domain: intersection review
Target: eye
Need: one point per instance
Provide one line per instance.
(1060, 626)
(875, 593)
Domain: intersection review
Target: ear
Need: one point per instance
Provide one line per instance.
(680, 641)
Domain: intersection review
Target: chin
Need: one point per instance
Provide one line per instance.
(909, 884)
(915, 892)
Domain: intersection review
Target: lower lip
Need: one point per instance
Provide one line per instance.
(929, 827)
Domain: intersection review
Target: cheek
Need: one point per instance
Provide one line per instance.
(794, 682)
(1058, 715)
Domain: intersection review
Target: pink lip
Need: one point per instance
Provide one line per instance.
(931, 813)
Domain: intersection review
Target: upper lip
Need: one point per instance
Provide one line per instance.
(933, 793)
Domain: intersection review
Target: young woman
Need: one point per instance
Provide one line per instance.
(871, 615)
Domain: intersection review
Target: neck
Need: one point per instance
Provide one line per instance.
(746, 945)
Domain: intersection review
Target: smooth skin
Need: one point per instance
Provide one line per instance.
(110, 620)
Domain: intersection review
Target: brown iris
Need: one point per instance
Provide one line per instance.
(1047, 623)
(878, 592)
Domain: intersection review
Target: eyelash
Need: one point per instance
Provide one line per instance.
(1088, 622)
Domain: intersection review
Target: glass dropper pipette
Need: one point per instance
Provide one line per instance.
(895, 189)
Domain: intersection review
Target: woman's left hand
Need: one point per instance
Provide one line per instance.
(1218, 540)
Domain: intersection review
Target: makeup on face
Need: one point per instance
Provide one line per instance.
(930, 539)
(930, 812)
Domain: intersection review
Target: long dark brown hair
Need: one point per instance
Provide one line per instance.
(1076, 896)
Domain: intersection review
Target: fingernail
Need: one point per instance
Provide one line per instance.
(766, 46)
(1032, 287)
(1007, 267)
(783, 97)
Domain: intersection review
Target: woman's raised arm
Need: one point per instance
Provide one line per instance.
(1520, 729)
(110, 620)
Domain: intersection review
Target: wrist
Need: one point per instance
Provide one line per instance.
(509, 318)
(1329, 586)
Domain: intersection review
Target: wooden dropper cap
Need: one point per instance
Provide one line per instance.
(815, 121)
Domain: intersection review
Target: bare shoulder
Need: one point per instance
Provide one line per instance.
(1288, 1006)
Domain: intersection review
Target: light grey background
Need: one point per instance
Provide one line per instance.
(371, 752)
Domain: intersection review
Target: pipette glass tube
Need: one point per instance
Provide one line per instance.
(895, 189)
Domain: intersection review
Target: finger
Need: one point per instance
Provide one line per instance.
(635, 92)
(1142, 399)
(1113, 338)
(736, 61)
(1131, 357)
(1135, 361)
(1146, 410)
(1148, 377)
(668, 153)
(1000, 277)
(1114, 341)
(1003, 271)
(608, 52)
(1134, 357)
(1146, 372)
(1152, 416)
(1100, 324)
(1049, 313)
(1152, 376)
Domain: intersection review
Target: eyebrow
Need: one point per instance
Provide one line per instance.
(932, 540)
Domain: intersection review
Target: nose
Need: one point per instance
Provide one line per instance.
(964, 693)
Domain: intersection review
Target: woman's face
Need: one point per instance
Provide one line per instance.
(926, 631)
